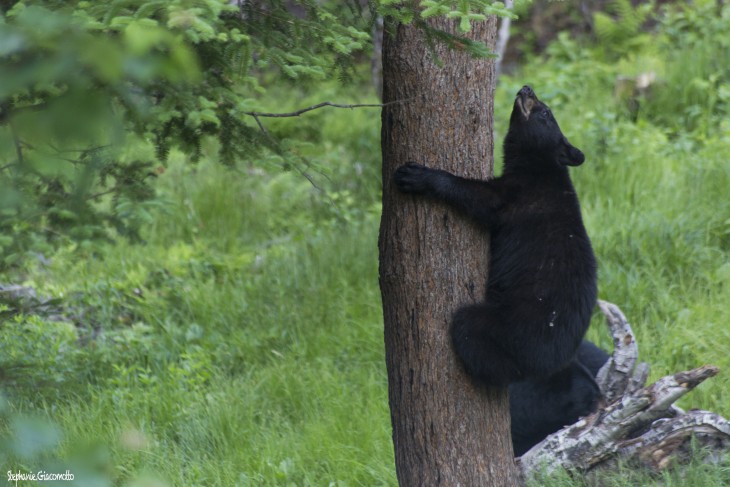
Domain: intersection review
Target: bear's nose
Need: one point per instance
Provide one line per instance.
(526, 91)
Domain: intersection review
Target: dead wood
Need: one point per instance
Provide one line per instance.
(638, 423)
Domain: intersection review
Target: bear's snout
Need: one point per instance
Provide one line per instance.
(526, 92)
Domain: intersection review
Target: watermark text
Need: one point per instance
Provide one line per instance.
(39, 476)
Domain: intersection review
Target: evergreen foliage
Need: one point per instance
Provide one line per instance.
(96, 94)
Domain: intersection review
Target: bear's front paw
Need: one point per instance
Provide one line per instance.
(413, 178)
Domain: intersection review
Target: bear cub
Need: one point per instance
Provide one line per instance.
(541, 288)
(540, 407)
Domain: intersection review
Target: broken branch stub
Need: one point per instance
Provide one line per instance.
(615, 375)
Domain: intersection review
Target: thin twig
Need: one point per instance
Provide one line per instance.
(320, 105)
(311, 180)
(100, 194)
(261, 126)
(97, 148)
(18, 145)
(69, 160)
(296, 113)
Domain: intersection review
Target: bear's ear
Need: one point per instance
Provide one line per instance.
(569, 154)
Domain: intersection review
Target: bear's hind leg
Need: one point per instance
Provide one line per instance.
(483, 357)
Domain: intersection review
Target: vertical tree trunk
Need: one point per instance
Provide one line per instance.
(446, 431)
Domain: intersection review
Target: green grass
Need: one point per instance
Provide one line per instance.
(695, 473)
(248, 356)
(242, 343)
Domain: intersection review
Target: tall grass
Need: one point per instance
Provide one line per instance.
(251, 356)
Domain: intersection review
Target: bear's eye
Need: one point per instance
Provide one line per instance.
(546, 114)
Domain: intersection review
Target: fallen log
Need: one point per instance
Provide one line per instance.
(636, 422)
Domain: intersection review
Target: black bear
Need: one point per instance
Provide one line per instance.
(541, 288)
(539, 407)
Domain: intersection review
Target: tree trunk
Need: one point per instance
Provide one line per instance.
(446, 431)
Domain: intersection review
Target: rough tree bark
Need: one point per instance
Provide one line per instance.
(446, 431)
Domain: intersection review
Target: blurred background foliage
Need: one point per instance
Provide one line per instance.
(233, 335)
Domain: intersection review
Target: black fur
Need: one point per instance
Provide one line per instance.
(591, 356)
(540, 407)
(542, 275)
